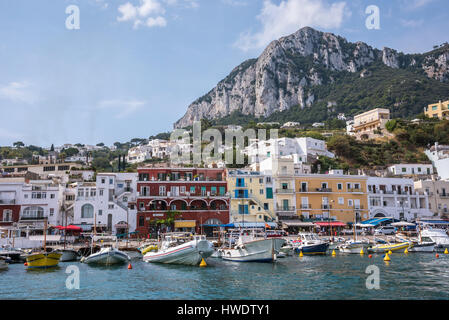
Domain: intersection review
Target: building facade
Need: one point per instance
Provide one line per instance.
(198, 195)
(251, 196)
(397, 198)
(371, 123)
(411, 169)
(438, 192)
(438, 110)
(332, 197)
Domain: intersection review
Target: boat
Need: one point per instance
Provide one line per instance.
(423, 247)
(382, 248)
(3, 263)
(132, 252)
(68, 255)
(180, 248)
(310, 244)
(13, 255)
(43, 259)
(106, 256)
(354, 246)
(251, 248)
(287, 249)
(439, 236)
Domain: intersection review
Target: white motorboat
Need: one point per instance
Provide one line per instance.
(287, 249)
(181, 248)
(439, 236)
(106, 256)
(68, 255)
(310, 244)
(3, 264)
(13, 255)
(354, 247)
(253, 247)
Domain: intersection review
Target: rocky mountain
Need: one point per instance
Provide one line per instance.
(291, 70)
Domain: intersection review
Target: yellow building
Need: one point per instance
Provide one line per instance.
(332, 196)
(371, 123)
(251, 197)
(438, 110)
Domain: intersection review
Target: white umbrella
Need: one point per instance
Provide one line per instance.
(402, 224)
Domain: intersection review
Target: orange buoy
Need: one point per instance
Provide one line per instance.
(130, 266)
(370, 256)
(26, 264)
(437, 255)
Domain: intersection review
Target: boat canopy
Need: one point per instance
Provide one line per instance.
(440, 222)
(250, 225)
(375, 221)
(403, 224)
(330, 224)
(299, 224)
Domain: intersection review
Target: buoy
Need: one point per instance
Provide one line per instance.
(406, 250)
(26, 264)
(446, 252)
(203, 263)
(130, 266)
(334, 253)
(437, 255)
(387, 257)
(389, 252)
(370, 256)
(361, 252)
(300, 254)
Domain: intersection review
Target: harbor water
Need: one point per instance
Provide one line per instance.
(412, 276)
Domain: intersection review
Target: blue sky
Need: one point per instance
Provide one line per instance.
(134, 66)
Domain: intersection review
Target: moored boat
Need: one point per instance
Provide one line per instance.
(253, 249)
(43, 259)
(13, 255)
(106, 256)
(382, 248)
(68, 255)
(439, 236)
(180, 248)
(354, 247)
(310, 244)
(3, 264)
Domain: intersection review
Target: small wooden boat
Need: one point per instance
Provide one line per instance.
(43, 259)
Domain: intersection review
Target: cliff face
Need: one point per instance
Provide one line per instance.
(289, 67)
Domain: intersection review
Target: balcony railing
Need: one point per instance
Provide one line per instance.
(355, 190)
(306, 206)
(326, 206)
(29, 218)
(285, 191)
(325, 190)
(3, 201)
(444, 196)
(285, 209)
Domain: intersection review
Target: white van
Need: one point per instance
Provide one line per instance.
(384, 230)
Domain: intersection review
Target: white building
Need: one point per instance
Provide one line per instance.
(110, 202)
(159, 148)
(139, 154)
(411, 169)
(396, 197)
(291, 124)
(318, 125)
(301, 148)
(439, 155)
(350, 128)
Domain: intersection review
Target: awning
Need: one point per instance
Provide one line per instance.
(330, 224)
(376, 221)
(299, 224)
(250, 225)
(443, 222)
(403, 224)
(185, 224)
(121, 226)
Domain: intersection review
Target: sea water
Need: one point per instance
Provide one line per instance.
(411, 276)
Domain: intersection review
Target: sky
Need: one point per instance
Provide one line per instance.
(133, 67)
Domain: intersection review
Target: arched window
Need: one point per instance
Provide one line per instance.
(87, 211)
(33, 213)
(7, 215)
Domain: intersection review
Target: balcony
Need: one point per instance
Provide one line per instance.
(285, 191)
(285, 209)
(306, 206)
(444, 196)
(324, 190)
(7, 201)
(355, 190)
(326, 206)
(32, 218)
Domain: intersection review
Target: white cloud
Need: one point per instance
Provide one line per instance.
(415, 4)
(235, 3)
(156, 22)
(124, 107)
(18, 92)
(128, 11)
(289, 16)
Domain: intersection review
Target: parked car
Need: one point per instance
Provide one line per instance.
(385, 230)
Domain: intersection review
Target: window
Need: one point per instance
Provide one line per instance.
(213, 191)
(111, 206)
(268, 179)
(103, 180)
(182, 189)
(350, 203)
(80, 192)
(260, 191)
(357, 186)
(111, 181)
(52, 196)
(141, 221)
(203, 191)
(100, 212)
(93, 192)
(141, 206)
(222, 191)
(340, 186)
(52, 211)
(192, 190)
(341, 201)
(348, 186)
(7, 215)
(101, 192)
(243, 209)
(162, 190)
(261, 180)
(266, 206)
(87, 211)
(404, 170)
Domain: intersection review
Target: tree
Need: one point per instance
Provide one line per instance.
(101, 144)
(101, 164)
(18, 144)
(52, 148)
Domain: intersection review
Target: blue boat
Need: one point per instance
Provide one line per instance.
(310, 244)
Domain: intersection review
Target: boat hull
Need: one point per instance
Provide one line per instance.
(389, 247)
(422, 247)
(68, 255)
(107, 258)
(43, 260)
(354, 248)
(313, 249)
(3, 265)
(265, 250)
(190, 253)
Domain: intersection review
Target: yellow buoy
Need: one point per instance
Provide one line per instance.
(406, 250)
(361, 252)
(446, 252)
(334, 253)
(300, 254)
(203, 263)
(390, 252)
(387, 257)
